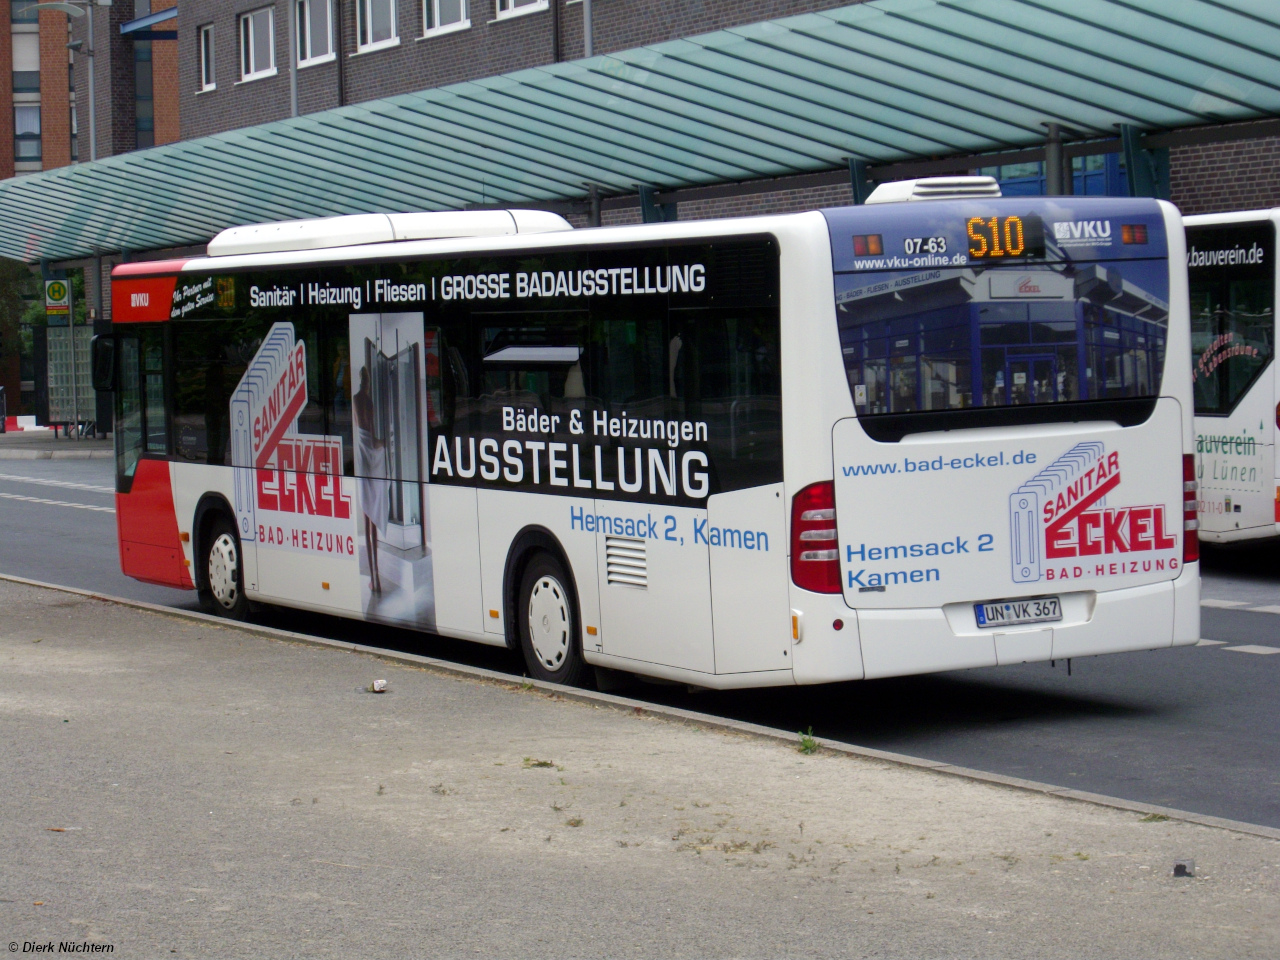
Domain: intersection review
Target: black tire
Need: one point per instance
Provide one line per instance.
(222, 572)
(547, 621)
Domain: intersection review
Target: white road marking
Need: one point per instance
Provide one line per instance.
(1254, 648)
(57, 483)
(1271, 609)
(1210, 643)
(58, 503)
(1223, 603)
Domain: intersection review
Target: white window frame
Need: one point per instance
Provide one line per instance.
(506, 8)
(431, 15)
(302, 20)
(362, 22)
(245, 27)
(208, 66)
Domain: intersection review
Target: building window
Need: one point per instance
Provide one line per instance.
(315, 35)
(75, 135)
(23, 11)
(510, 8)
(26, 62)
(377, 26)
(443, 15)
(144, 106)
(257, 45)
(26, 132)
(208, 78)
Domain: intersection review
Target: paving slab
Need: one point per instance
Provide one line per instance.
(173, 787)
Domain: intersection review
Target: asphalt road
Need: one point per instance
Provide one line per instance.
(1195, 728)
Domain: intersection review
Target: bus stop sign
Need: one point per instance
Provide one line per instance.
(57, 301)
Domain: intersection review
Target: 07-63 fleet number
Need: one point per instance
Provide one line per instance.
(925, 244)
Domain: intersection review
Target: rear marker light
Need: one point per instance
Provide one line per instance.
(1190, 523)
(868, 245)
(815, 549)
(837, 624)
(1133, 233)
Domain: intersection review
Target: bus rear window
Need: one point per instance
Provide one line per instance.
(953, 339)
(1232, 279)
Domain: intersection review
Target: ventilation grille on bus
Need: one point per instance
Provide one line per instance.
(625, 560)
(935, 188)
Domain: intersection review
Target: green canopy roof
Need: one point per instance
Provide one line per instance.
(882, 81)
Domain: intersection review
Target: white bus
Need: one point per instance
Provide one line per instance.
(1232, 275)
(862, 442)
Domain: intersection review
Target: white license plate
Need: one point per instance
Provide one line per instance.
(1007, 613)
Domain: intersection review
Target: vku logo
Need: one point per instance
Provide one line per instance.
(1082, 230)
(139, 299)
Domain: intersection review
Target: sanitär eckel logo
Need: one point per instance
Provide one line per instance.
(1062, 514)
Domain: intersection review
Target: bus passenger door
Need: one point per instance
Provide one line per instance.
(655, 585)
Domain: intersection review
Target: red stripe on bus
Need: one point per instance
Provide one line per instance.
(148, 268)
(147, 527)
(142, 299)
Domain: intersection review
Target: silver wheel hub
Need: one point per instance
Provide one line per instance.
(224, 562)
(549, 624)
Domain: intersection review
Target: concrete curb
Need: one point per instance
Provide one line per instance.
(706, 721)
(55, 454)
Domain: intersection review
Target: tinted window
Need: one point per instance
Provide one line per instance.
(952, 339)
(1232, 276)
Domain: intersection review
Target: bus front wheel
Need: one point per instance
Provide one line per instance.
(223, 573)
(548, 623)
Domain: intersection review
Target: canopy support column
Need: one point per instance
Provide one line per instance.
(858, 180)
(1147, 170)
(1053, 162)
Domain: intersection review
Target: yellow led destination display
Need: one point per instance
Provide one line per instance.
(1005, 238)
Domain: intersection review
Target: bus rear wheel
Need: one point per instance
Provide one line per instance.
(223, 573)
(547, 618)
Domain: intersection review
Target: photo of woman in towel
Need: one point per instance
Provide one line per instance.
(371, 471)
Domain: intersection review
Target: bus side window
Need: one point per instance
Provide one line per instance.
(200, 400)
(153, 387)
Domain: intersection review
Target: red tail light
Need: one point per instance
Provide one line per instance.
(815, 547)
(1190, 523)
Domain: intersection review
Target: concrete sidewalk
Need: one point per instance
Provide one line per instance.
(41, 445)
(177, 788)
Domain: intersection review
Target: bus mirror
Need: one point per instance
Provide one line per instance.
(103, 351)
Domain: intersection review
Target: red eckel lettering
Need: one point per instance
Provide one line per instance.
(1110, 530)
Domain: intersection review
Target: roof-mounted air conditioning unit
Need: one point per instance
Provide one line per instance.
(363, 228)
(936, 188)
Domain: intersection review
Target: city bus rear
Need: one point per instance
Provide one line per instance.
(1231, 271)
(1013, 484)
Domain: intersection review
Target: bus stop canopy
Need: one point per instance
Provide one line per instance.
(882, 81)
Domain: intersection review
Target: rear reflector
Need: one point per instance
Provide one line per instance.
(1133, 233)
(1190, 523)
(868, 245)
(815, 547)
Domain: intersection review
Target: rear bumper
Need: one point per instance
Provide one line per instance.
(901, 642)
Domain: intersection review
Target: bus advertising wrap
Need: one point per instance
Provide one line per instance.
(1003, 307)
(645, 374)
